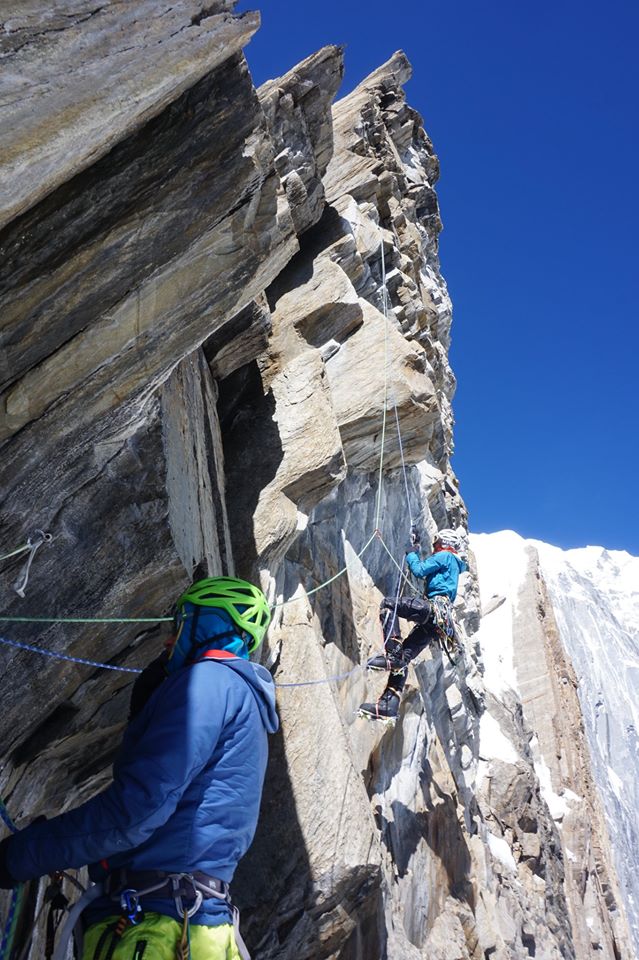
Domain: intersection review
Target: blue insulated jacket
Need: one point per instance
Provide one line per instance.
(186, 787)
(440, 571)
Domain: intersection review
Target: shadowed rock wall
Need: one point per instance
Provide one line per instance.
(201, 374)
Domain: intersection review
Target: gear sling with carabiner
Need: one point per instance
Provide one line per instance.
(130, 888)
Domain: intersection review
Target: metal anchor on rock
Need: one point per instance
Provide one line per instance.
(35, 541)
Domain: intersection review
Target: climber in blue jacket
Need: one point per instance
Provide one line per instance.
(164, 839)
(431, 614)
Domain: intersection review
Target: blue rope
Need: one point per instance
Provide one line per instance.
(313, 683)
(64, 656)
(109, 666)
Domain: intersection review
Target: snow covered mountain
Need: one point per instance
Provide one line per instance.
(589, 599)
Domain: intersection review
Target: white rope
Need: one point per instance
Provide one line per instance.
(393, 398)
(380, 480)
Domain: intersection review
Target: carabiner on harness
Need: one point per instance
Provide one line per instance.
(176, 881)
(130, 906)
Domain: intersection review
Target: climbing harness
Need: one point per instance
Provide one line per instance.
(34, 543)
(129, 888)
(445, 626)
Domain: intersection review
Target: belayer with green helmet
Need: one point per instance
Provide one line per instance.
(230, 613)
(164, 839)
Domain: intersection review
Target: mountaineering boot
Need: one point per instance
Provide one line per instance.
(386, 708)
(391, 659)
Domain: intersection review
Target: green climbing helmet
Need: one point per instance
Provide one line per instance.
(244, 602)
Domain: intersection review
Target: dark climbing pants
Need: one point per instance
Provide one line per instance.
(420, 612)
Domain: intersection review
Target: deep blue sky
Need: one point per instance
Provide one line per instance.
(533, 112)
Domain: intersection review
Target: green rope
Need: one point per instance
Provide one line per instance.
(284, 603)
(401, 569)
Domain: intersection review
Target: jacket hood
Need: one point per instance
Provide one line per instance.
(204, 628)
(258, 679)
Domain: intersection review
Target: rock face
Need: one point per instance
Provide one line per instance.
(225, 349)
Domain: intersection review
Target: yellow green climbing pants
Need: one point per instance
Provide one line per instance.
(157, 937)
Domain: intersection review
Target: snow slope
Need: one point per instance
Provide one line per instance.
(595, 599)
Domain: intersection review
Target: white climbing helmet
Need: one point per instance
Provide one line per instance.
(448, 538)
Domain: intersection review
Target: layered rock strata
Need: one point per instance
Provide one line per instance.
(218, 303)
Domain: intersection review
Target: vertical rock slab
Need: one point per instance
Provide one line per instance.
(195, 468)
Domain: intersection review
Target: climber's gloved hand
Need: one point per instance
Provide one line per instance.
(7, 881)
(387, 603)
(411, 548)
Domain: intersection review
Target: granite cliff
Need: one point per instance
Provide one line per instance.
(203, 372)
